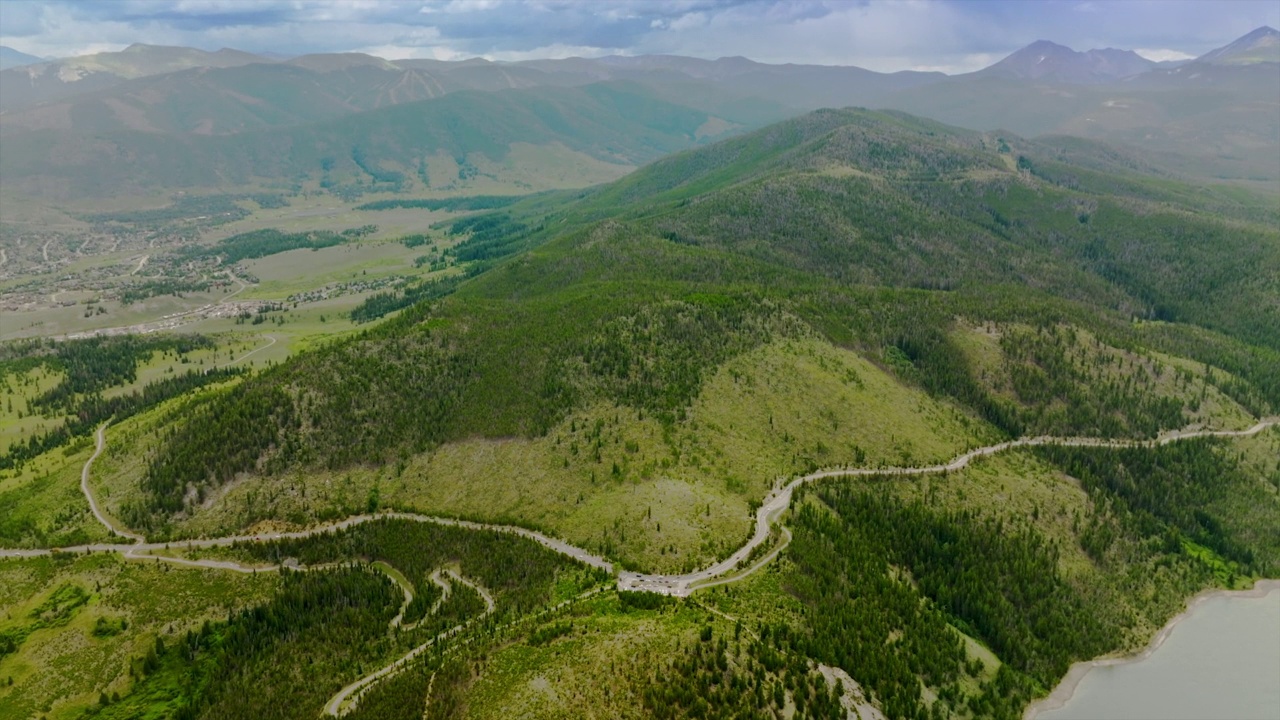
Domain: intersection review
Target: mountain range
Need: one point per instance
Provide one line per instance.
(1047, 61)
(754, 411)
(148, 107)
(629, 368)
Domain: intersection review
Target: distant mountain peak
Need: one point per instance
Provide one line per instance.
(16, 58)
(1261, 32)
(1261, 45)
(1049, 61)
(1040, 45)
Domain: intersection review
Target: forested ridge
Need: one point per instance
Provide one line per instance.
(328, 626)
(89, 367)
(874, 231)
(874, 569)
(1032, 290)
(279, 660)
(1185, 495)
(519, 572)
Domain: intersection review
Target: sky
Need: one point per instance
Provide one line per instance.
(884, 35)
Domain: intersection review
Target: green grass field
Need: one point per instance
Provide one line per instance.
(73, 653)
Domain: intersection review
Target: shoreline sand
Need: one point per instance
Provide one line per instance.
(1066, 688)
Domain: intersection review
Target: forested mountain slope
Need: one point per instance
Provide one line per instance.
(876, 232)
(386, 149)
(632, 369)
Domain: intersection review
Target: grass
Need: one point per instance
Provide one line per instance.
(59, 671)
(681, 496)
(300, 271)
(43, 505)
(1161, 375)
(16, 420)
(589, 669)
(62, 320)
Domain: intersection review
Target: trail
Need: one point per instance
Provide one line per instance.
(348, 697)
(4, 257)
(853, 700)
(271, 338)
(101, 439)
(399, 579)
(238, 290)
(44, 249)
(144, 550)
(141, 264)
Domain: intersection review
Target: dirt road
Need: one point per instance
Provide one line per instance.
(101, 440)
(779, 499)
(348, 697)
(774, 504)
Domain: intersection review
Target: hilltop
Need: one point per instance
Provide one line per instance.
(1049, 62)
(12, 58)
(1259, 46)
(634, 294)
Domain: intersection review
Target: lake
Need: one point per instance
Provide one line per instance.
(1222, 660)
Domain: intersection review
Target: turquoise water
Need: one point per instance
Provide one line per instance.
(1223, 661)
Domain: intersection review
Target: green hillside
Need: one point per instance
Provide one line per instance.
(874, 232)
(392, 148)
(633, 368)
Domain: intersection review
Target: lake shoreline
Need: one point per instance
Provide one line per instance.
(1066, 688)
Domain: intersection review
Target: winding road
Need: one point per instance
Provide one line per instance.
(779, 499)
(101, 440)
(348, 697)
(773, 506)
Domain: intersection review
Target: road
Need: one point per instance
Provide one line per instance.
(101, 440)
(774, 505)
(779, 499)
(237, 290)
(272, 341)
(348, 697)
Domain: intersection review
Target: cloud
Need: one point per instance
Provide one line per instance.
(1163, 54)
(887, 35)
